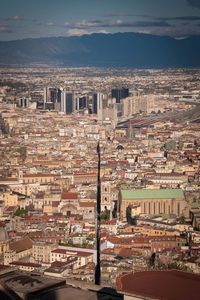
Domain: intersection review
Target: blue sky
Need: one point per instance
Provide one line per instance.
(42, 18)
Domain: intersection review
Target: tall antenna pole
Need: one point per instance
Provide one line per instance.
(98, 212)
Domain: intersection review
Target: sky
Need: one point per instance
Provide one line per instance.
(21, 19)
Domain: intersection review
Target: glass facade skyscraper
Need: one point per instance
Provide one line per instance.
(67, 102)
(119, 94)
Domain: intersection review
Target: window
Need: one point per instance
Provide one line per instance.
(178, 208)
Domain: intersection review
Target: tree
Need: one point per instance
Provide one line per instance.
(105, 215)
(21, 212)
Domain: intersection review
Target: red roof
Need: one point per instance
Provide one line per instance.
(55, 203)
(168, 285)
(69, 196)
(87, 204)
(10, 208)
(77, 253)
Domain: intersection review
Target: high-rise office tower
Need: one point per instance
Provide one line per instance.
(45, 97)
(81, 102)
(67, 102)
(23, 102)
(51, 95)
(119, 94)
(97, 103)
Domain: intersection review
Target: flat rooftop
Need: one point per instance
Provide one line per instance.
(17, 285)
(140, 194)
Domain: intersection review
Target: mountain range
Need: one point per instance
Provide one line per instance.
(134, 50)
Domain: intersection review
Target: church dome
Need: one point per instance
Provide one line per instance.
(3, 235)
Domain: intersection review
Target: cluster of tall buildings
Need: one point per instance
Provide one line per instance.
(69, 101)
(108, 107)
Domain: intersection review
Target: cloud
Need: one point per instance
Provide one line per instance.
(175, 32)
(36, 22)
(112, 15)
(77, 32)
(5, 29)
(182, 18)
(195, 3)
(103, 31)
(145, 24)
(50, 24)
(155, 18)
(84, 25)
(14, 18)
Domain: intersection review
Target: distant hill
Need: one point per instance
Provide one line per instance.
(104, 50)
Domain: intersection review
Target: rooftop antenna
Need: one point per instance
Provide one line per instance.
(98, 212)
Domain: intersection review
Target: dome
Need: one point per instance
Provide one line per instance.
(120, 147)
(3, 235)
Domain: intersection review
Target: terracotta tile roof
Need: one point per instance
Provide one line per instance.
(76, 253)
(55, 203)
(69, 196)
(125, 252)
(21, 245)
(168, 285)
(10, 208)
(87, 204)
(109, 222)
(38, 175)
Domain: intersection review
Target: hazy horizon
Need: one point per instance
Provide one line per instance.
(21, 19)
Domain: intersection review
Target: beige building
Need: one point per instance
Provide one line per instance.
(4, 243)
(10, 199)
(38, 178)
(150, 231)
(154, 202)
(80, 178)
(17, 250)
(137, 104)
(83, 257)
(42, 252)
(105, 195)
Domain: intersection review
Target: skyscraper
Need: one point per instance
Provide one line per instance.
(67, 102)
(97, 103)
(23, 102)
(51, 95)
(119, 94)
(81, 102)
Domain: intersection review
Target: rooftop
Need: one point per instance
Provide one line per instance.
(78, 253)
(152, 194)
(159, 285)
(17, 285)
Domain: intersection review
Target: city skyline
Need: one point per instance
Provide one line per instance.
(25, 19)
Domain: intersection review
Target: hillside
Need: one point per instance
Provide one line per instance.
(103, 50)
